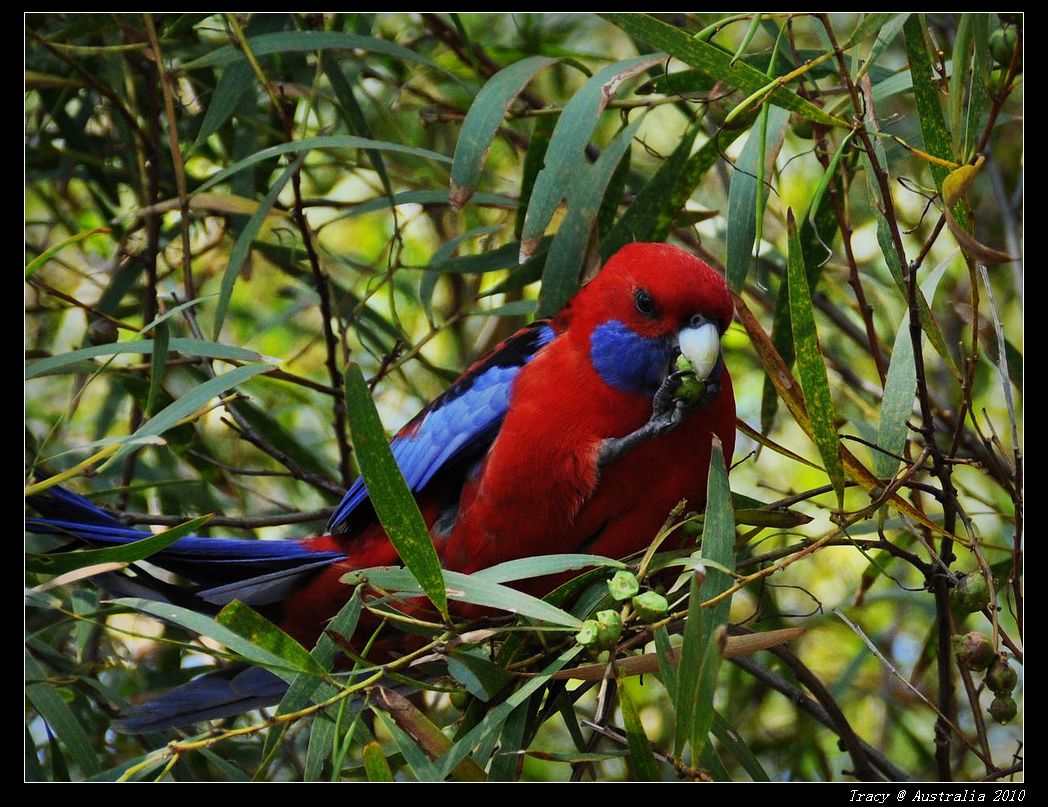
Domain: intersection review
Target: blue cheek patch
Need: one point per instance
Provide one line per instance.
(627, 361)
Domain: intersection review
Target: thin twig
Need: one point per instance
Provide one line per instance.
(902, 678)
(814, 710)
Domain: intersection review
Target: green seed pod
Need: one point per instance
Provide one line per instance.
(609, 628)
(623, 585)
(690, 389)
(460, 699)
(1001, 678)
(974, 650)
(588, 634)
(650, 606)
(971, 593)
(1002, 44)
(1003, 709)
(101, 332)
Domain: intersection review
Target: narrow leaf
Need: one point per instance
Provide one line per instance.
(307, 686)
(926, 95)
(717, 63)
(321, 737)
(158, 366)
(59, 717)
(962, 56)
(541, 565)
(235, 82)
(656, 204)
(978, 95)
(354, 116)
(246, 622)
(185, 346)
(885, 37)
(494, 719)
(299, 41)
(375, 765)
(63, 562)
(541, 133)
(185, 406)
(444, 253)
(49, 253)
(205, 626)
(900, 386)
(481, 677)
(564, 261)
(811, 367)
(310, 143)
(733, 743)
(242, 247)
(744, 193)
(701, 652)
(567, 149)
(416, 759)
(667, 662)
(642, 760)
(870, 24)
(421, 729)
(467, 588)
(482, 122)
(395, 506)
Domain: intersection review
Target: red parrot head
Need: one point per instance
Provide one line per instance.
(649, 303)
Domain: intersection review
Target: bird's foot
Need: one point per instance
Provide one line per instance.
(667, 413)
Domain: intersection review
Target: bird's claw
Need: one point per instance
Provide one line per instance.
(667, 412)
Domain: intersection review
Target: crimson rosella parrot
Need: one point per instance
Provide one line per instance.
(565, 438)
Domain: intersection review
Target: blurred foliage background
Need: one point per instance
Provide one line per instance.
(298, 191)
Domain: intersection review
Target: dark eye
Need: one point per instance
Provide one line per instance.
(645, 304)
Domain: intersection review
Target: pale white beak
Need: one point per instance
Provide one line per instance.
(701, 346)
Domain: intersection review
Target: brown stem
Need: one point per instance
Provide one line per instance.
(865, 309)
(941, 469)
(327, 315)
(176, 158)
(816, 711)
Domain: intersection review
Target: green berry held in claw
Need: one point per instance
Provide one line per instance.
(650, 606)
(588, 634)
(1001, 678)
(609, 628)
(690, 389)
(971, 593)
(1003, 709)
(974, 651)
(623, 585)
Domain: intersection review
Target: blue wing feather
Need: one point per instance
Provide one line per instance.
(461, 423)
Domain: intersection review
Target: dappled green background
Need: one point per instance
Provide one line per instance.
(420, 290)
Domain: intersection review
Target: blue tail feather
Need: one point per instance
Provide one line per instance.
(259, 573)
(208, 561)
(209, 697)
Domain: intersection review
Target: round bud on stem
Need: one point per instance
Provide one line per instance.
(974, 650)
(623, 585)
